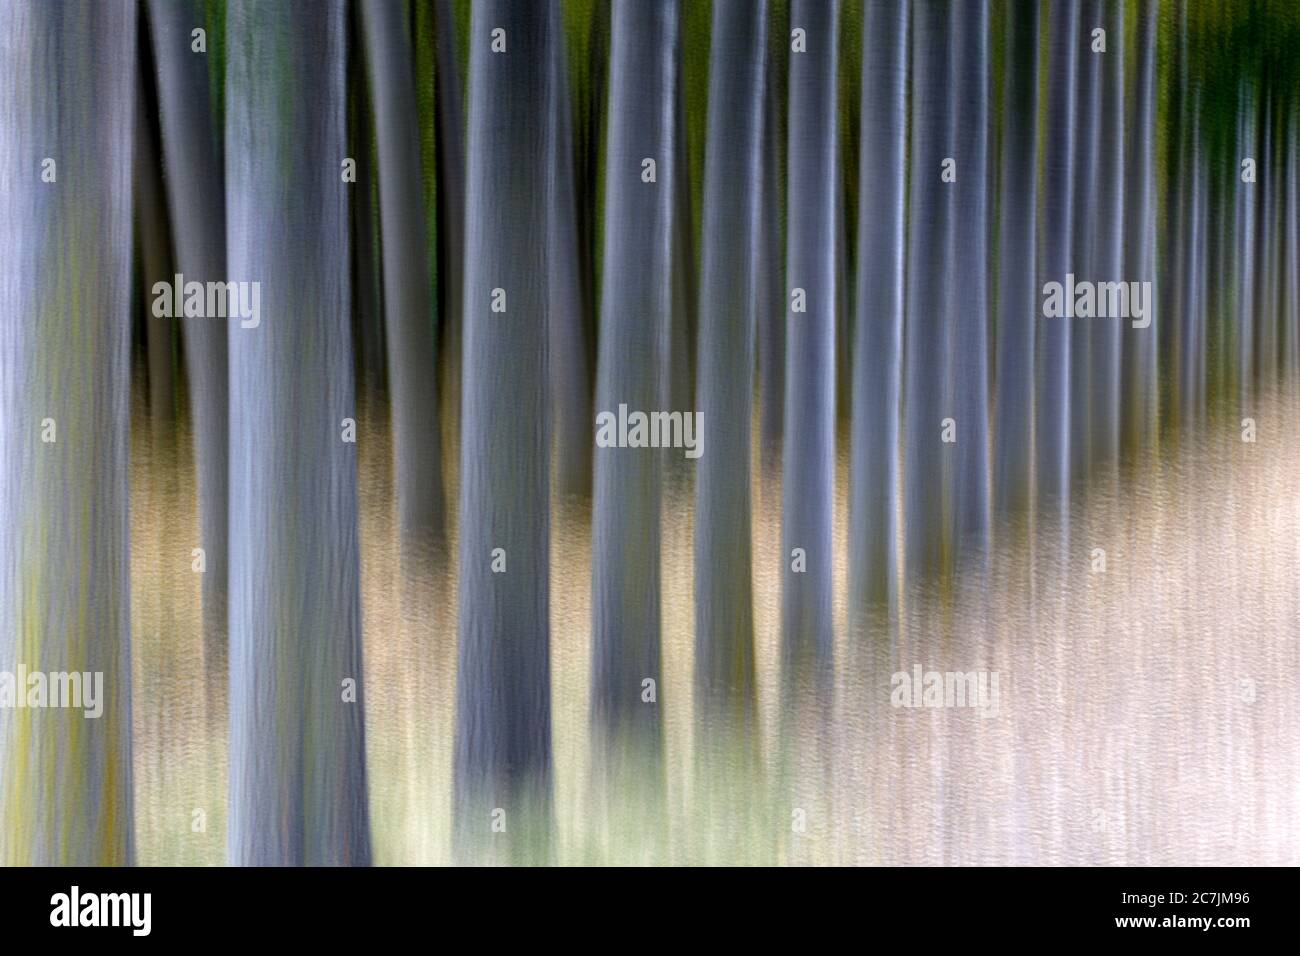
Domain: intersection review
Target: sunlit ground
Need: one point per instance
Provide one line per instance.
(1147, 714)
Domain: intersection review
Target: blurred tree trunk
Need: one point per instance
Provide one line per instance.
(1052, 358)
(1140, 352)
(408, 287)
(503, 714)
(1108, 243)
(67, 95)
(1018, 296)
(570, 374)
(449, 91)
(196, 195)
(724, 612)
(297, 743)
(928, 348)
(773, 301)
(878, 352)
(634, 350)
(808, 477)
(1084, 220)
(969, 309)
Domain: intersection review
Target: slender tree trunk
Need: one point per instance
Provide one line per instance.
(724, 613)
(570, 375)
(927, 401)
(155, 265)
(808, 477)
(195, 181)
(367, 272)
(681, 373)
(1018, 300)
(1084, 221)
(634, 347)
(773, 301)
(1190, 343)
(408, 287)
(449, 90)
(878, 352)
(1108, 242)
(1140, 352)
(1052, 419)
(971, 261)
(297, 742)
(503, 718)
(67, 95)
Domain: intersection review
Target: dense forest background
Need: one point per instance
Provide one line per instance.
(366, 587)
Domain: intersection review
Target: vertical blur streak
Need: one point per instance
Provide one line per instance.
(449, 89)
(1052, 360)
(1017, 294)
(928, 349)
(969, 310)
(192, 153)
(878, 347)
(724, 613)
(567, 321)
(808, 476)
(632, 365)
(773, 302)
(503, 713)
(1140, 352)
(408, 304)
(67, 94)
(1084, 223)
(1108, 245)
(297, 750)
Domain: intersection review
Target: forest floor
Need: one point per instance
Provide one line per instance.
(1146, 714)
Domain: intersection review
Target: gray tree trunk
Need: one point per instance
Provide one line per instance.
(634, 350)
(1108, 242)
(1052, 358)
(67, 93)
(1019, 311)
(195, 194)
(297, 746)
(808, 476)
(408, 286)
(1140, 351)
(928, 393)
(1084, 220)
(878, 351)
(570, 375)
(503, 715)
(971, 261)
(724, 612)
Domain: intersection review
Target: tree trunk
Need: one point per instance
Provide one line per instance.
(196, 196)
(808, 476)
(971, 260)
(1052, 421)
(67, 95)
(634, 345)
(928, 394)
(1140, 352)
(724, 612)
(503, 715)
(878, 352)
(408, 287)
(297, 742)
(1019, 312)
